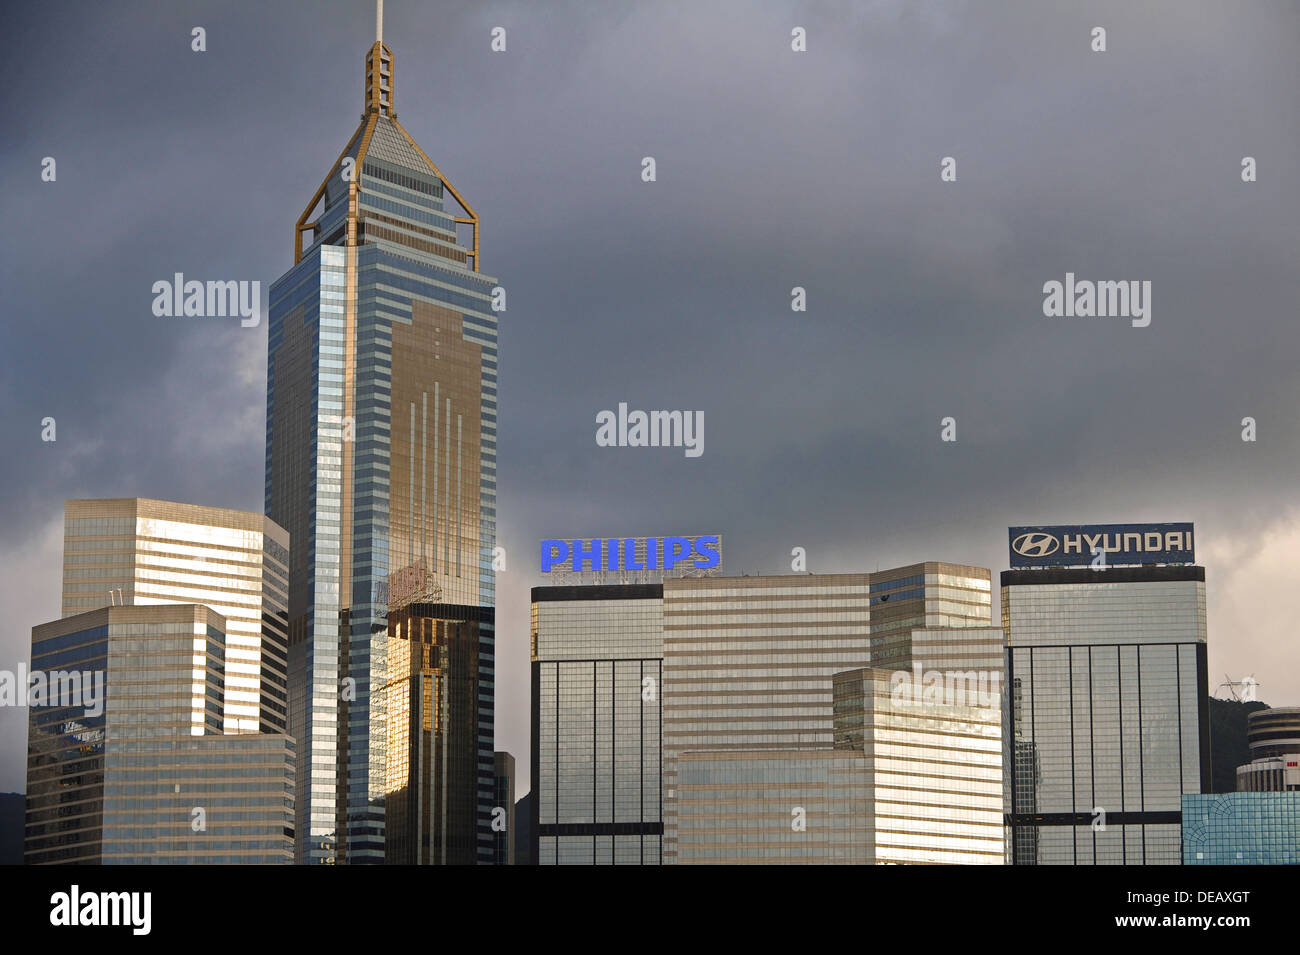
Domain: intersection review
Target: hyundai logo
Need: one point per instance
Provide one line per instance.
(1035, 544)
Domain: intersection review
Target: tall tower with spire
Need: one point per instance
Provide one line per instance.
(381, 462)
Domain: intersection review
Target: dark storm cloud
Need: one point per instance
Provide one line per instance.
(775, 169)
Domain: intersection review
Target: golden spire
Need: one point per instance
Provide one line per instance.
(380, 94)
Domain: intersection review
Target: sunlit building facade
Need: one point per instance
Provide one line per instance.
(933, 752)
(749, 661)
(134, 767)
(209, 800)
(380, 460)
(430, 703)
(766, 807)
(138, 552)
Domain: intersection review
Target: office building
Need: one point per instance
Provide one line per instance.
(1243, 828)
(750, 807)
(915, 777)
(380, 461)
(127, 759)
(1106, 665)
(209, 800)
(524, 844)
(430, 702)
(933, 748)
(597, 670)
(503, 813)
(1274, 739)
(138, 552)
(748, 670)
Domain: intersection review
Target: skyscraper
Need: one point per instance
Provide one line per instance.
(1106, 673)
(431, 794)
(934, 762)
(504, 825)
(127, 762)
(748, 668)
(597, 661)
(136, 552)
(915, 777)
(380, 460)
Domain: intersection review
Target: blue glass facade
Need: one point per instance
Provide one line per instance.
(1242, 829)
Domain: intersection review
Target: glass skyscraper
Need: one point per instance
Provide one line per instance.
(503, 831)
(136, 552)
(380, 459)
(127, 761)
(684, 721)
(749, 662)
(597, 661)
(765, 807)
(1108, 726)
(933, 758)
(431, 798)
(912, 779)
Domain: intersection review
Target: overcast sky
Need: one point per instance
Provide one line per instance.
(775, 169)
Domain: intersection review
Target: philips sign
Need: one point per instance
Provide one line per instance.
(1071, 545)
(658, 556)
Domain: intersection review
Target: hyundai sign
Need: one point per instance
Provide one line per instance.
(1073, 545)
